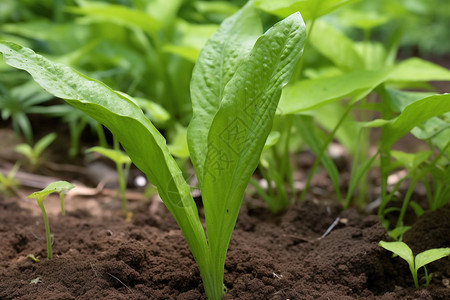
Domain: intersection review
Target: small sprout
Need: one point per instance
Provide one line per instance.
(123, 163)
(55, 187)
(397, 233)
(33, 258)
(421, 259)
(7, 182)
(36, 280)
(33, 154)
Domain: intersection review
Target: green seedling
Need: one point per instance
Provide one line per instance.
(33, 258)
(421, 259)
(7, 182)
(33, 154)
(56, 187)
(123, 163)
(235, 89)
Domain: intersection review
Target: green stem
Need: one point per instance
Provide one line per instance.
(414, 274)
(61, 196)
(47, 228)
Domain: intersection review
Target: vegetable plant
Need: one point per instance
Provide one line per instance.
(235, 89)
(421, 259)
(56, 187)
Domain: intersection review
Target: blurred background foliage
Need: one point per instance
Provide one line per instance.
(147, 49)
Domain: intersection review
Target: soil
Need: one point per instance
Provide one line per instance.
(99, 255)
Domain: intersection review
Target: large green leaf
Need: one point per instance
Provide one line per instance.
(140, 139)
(219, 59)
(241, 125)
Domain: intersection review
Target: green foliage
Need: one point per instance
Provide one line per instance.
(239, 99)
(20, 101)
(421, 259)
(56, 187)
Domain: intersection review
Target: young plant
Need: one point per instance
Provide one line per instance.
(235, 89)
(123, 163)
(56, 187)
(7, 182)
(33, 154)
(421, 259)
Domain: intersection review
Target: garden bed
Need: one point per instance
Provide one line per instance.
(98, 255)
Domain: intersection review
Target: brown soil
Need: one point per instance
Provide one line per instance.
(101, 256)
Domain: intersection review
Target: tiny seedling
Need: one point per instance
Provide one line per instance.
(421, 259)
(56, 187)
(7, 182)
(33, 258)
(123, 163)
(33, 154)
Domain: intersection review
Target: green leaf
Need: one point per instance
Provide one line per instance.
(416, 69)
(54, 187)
(342, 52)
(193, 38)
(362, 19)
(414, 115)
(222, 54)
(43, 143)
(141, 140)
(433, 127)
(155, 112)
(25, 150)
(398, 232)
(179, 146)
(310, 9)
(272, 140)
(118, 14)
(398, 100)
(411, 161)
(240, 127)
(431, 255)
(116, 156)
(401, 249)
(307, 94)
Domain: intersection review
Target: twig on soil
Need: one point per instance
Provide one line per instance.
(92, 266)
(34, 235)
(120, 281)
(330, 228)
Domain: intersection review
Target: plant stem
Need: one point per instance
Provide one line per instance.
(47, 228)
(61, 196)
